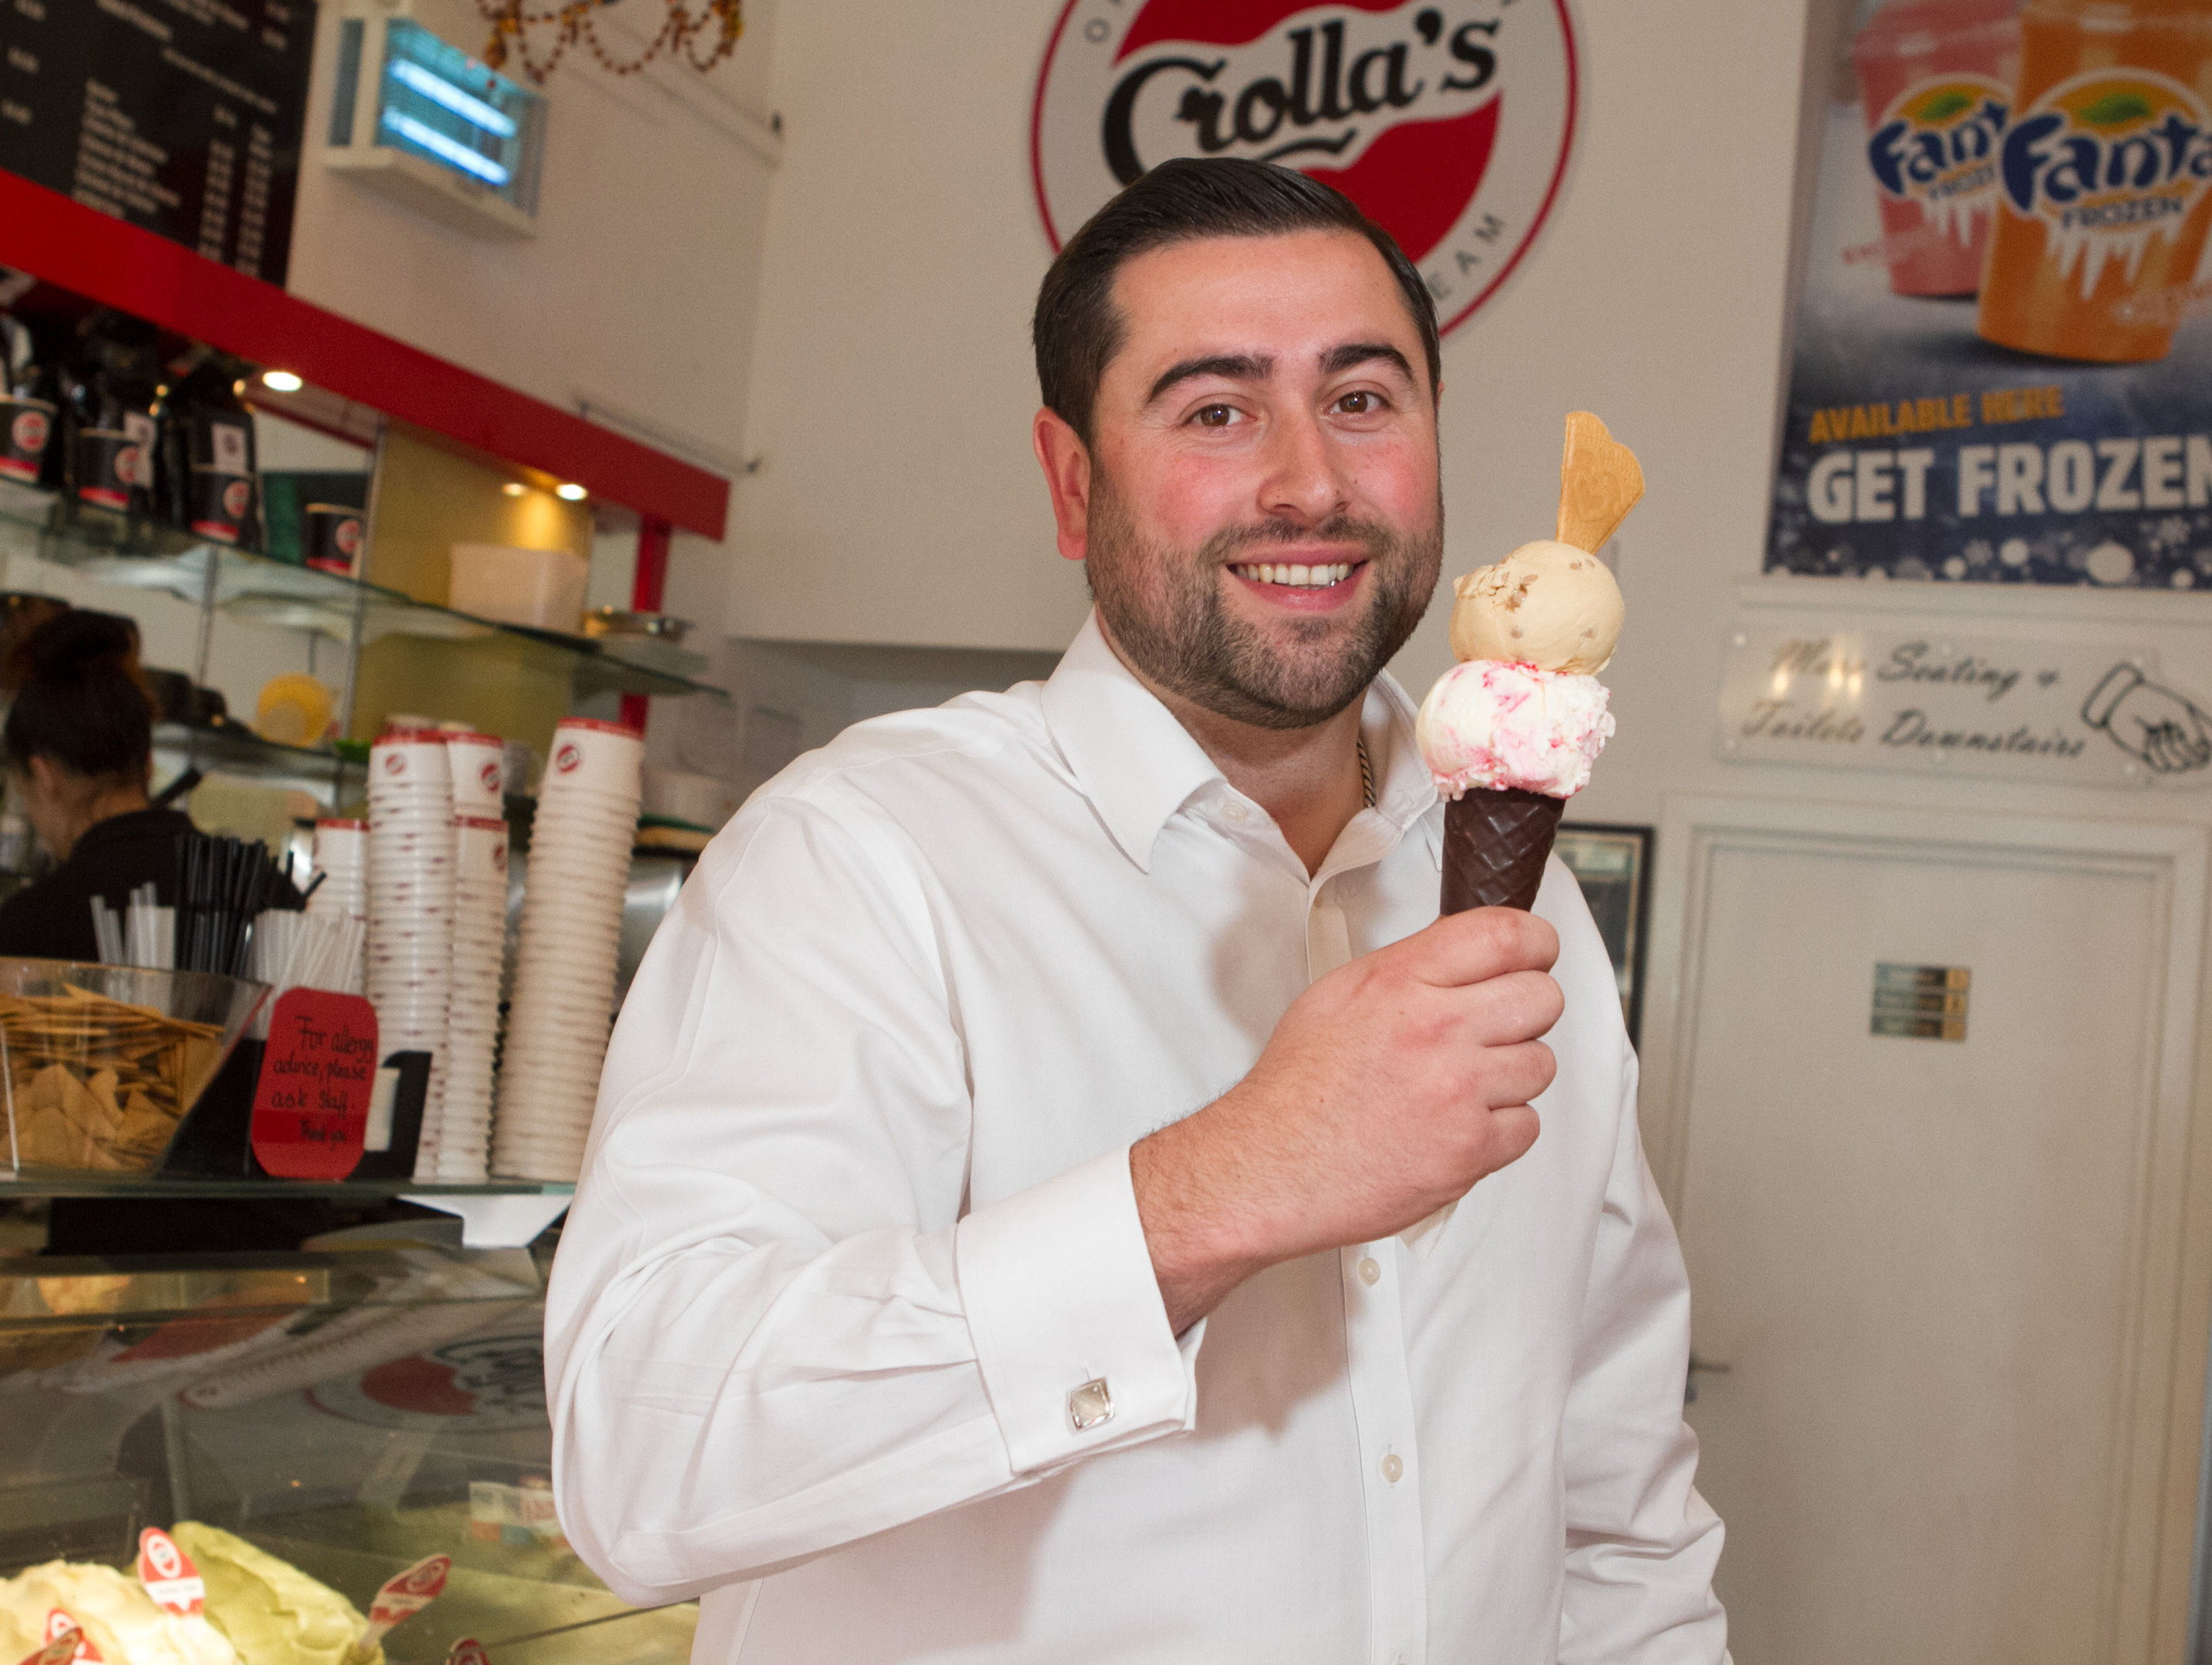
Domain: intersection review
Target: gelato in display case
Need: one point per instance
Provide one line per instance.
(316, 1438)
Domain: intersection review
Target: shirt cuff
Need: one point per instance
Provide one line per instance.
(1066, 1315)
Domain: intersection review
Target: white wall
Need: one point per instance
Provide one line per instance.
(639, 288)
(897, 499)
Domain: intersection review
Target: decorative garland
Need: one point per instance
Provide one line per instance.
(724, 19)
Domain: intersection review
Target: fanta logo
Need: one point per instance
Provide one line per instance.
(1448, 121)
(2110, 159)
(28, 432)
(567, 759)
(1937, 145)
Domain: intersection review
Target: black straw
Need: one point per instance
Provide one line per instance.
(222, 885)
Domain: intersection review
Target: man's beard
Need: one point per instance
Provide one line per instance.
(1164, 610)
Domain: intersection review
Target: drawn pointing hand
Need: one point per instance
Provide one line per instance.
(2156, 723)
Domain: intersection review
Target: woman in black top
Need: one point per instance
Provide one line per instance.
(79, 748)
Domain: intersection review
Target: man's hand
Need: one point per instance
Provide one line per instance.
(1388, 1089)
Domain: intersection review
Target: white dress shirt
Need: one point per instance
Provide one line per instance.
(853, 1332)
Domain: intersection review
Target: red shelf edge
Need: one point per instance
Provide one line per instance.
(125, 266)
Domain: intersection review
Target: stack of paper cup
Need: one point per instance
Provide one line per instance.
(479, 768)
(410, 910)
(472, 1006)
(564, 971)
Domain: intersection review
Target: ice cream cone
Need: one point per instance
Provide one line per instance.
(1496, 842)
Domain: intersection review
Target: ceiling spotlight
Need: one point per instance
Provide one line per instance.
(282, 381)
(570, 492)
(514, 488)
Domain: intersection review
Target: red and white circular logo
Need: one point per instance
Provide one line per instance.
(490, 776)
(1449, 123)
(28, 432)
(568, 758)
(347, 536)
(237, 498)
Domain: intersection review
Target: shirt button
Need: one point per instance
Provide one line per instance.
(1370, 1270)
(1234, 812)
(1393, 1470)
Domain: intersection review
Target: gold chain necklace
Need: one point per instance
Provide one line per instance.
(1366, 773)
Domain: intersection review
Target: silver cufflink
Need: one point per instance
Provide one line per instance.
(1090, 1405)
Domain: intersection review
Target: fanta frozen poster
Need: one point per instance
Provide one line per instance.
(1449, 121)
(2003, 366)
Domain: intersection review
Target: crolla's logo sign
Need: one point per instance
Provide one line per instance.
(1450, 125)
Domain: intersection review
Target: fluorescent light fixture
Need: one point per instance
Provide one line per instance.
(467, 106)
(283, 381)
(514, 488)
(570, 492)
(439, 145)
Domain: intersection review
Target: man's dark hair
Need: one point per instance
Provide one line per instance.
(1076, 330)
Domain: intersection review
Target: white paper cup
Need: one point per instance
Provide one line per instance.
(601, 756)
(477, 764)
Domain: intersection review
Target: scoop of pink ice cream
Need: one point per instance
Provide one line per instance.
(1494, 723)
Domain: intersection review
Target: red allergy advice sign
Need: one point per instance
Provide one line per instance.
(311, 1109)
(169, 1576)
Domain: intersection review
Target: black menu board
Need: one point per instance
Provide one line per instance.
(181, 116)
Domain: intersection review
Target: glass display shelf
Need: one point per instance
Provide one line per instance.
(235, 749)
(255, 589)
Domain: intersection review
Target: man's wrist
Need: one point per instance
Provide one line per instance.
(1203, 1242)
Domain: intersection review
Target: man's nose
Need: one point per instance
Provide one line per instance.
(1303, 479)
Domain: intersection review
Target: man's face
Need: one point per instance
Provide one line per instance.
(1264, 525)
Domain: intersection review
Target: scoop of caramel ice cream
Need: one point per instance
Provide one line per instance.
(1547, 603)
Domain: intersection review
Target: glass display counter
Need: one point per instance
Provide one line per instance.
(348, 1413)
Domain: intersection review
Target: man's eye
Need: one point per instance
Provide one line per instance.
(1359, 404)
(1215, 416)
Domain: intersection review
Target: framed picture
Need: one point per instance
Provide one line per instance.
(1613, 866)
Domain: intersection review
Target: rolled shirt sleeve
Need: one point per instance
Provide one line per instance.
(770, 1331)
(1641, 1544)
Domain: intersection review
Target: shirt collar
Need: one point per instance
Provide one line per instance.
(1137, 765)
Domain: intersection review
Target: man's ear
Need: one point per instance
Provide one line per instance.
(1067, 463)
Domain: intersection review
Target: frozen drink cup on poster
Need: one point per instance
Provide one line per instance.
(1935, 77)
(2105, 181)
(1510, 731)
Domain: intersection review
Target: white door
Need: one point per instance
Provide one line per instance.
(1924, 1262)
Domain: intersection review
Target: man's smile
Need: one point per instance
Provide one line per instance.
(1294, 575)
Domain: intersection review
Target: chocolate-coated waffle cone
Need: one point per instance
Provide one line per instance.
(1496, 842)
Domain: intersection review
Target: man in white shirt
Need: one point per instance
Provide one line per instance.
(1029, 1216)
